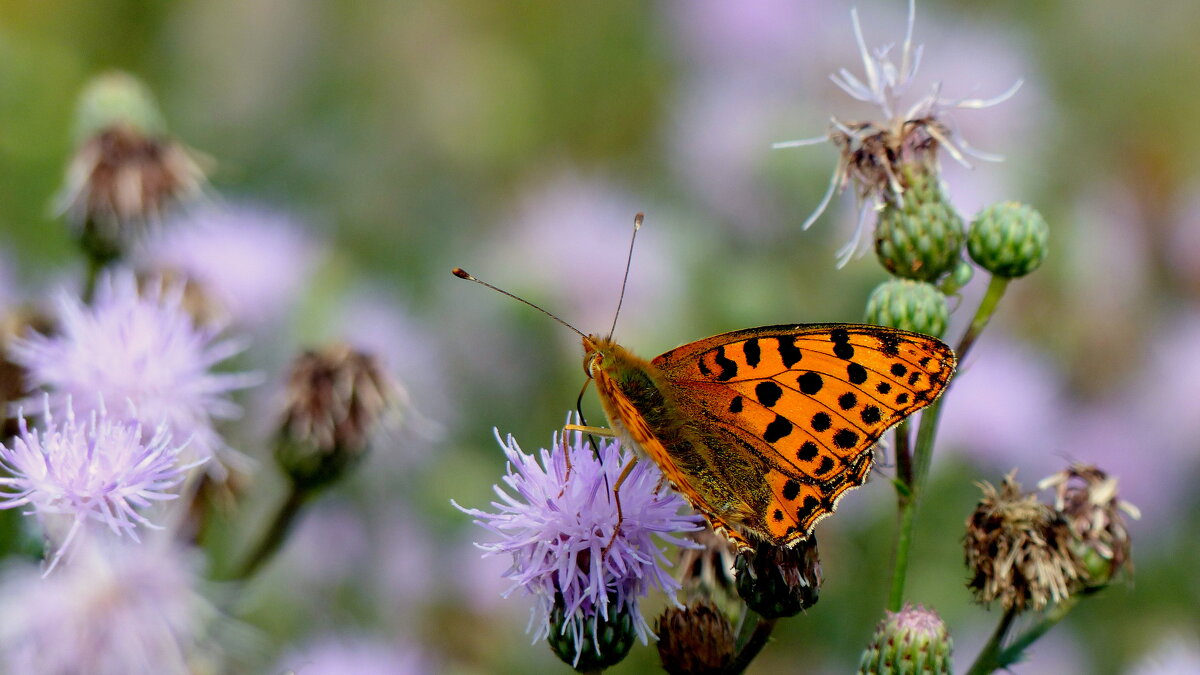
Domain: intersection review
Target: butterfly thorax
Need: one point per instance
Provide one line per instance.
(637, 405)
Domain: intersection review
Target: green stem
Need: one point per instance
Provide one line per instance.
(987, 307)
(989, 657)
(752, 646)
(274, 536)
(95, 266)
(922, 456)
(1012, 653)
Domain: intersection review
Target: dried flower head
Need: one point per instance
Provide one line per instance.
(1018, 549)
(122, 180)
(708, 569)
(336, 398)
(140, 347)
(779, 582)
(103, 470)
(558, 525)
(872, 153)
(695, 640)
(1086, 498)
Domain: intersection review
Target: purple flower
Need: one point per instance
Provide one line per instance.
(112, 609)
(137, 347)
(254, 263)
(557, 524)
(334, 655)
(104, 470)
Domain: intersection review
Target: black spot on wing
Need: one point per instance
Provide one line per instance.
(856, 373)
(728, 367)
(768, 393)
(777, 429)
(791, 490)
(807, 451)
(810, 383)
(821, 421)
(753, 352)
(789, 353)
(735, 406)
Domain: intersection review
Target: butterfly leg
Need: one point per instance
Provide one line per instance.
(598, 431)
(616, 490)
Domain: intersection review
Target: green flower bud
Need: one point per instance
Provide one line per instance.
(695, 640)
(600, 644)
(779, 582)
(117, 99)
(909, 305)
(959, 277)
(919, 235)
(913, 641)
(1008, 239)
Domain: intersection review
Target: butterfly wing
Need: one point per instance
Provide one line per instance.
(803, 404)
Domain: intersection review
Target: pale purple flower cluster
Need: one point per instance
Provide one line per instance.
(116, 609)
(138, 346)
(102, 470)
(557, 524)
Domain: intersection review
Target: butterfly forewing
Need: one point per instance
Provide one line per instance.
(807, 402)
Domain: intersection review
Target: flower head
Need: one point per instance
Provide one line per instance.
(913, 640)
(113, 609)
(558, 525)
(1018, 549)
(103, 470)
(873, 153)
(1086, 498)
(252, 261)
(140, 347)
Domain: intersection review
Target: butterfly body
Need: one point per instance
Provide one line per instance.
(764, 429)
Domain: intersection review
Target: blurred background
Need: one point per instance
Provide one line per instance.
(365, 148)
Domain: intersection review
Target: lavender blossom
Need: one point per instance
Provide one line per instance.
(871, 152)
(104, 470)
(140, 347)
(113, 609)
(254, 262)
(558, 525)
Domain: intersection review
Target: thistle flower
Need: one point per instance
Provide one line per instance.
(252, 261)
(336, 398)
(558, 526)
(1018, 550)
(873, 154)
(140, 347)
(126, 173)
(695, 640)
(1086, 498)
(913, 640)
(114, 609)
(780, 582)
(104, 470)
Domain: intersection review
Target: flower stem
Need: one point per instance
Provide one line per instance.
(1013, 653)
(274, 536)
(752, 646)
(94, 266)
(922, 456)
(989, 657)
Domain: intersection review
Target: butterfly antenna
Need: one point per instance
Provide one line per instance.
(583, 422)
(463, 274)
(637, 225)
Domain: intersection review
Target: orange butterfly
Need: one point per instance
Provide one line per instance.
(764, 429)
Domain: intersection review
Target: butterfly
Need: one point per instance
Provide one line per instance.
(763, 430)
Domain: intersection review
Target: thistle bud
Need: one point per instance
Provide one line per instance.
(336, 399)
(126, 173)
(779, 582)
(913, 641)
(908, 305)
(959, 277)
(1018, 550)
(1086, 498)
(1008, 239)
(695, 640)
(594, 643)
(919, 235)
